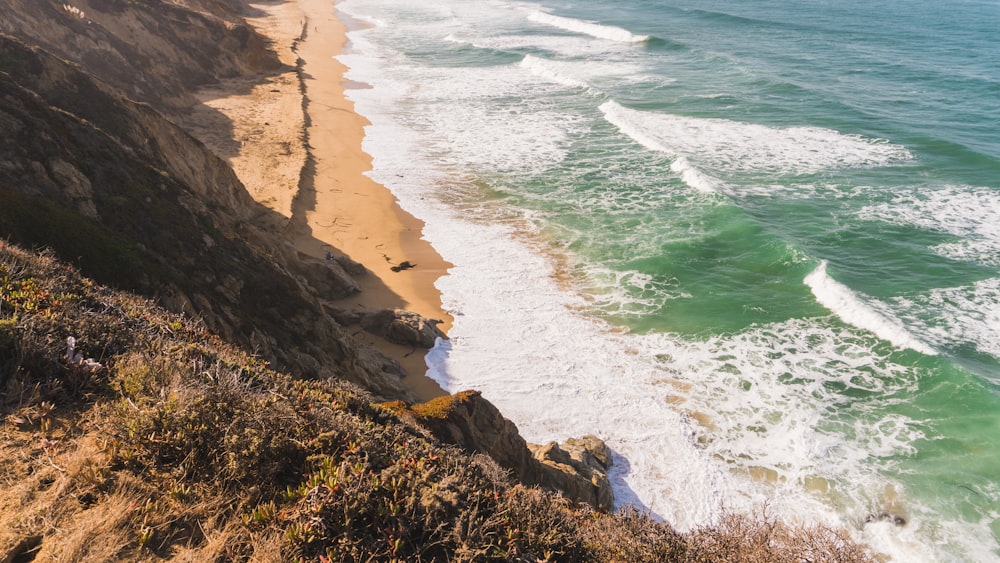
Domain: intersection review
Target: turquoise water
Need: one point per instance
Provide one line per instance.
(753, 246)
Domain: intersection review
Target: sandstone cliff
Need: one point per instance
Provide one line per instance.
(155, 51)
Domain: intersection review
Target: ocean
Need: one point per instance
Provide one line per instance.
(754, 246)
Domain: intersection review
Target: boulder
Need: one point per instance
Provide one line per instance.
(577, 469)
(394, 325)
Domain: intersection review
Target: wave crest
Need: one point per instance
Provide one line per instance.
(853, 310)
(550, 71)
(600, 31)
(737, 146)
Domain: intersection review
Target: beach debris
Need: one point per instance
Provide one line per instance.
(405, 265)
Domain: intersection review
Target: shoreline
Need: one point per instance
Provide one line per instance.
(296, 143)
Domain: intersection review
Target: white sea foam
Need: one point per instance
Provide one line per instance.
(860, 312)
(969, 314)
(608, 32)
(563, 45)
(628, 293)
(589, 75)
(726, 145)
(551, 70)
(488, 132)
(694, 177)
(972, 213)
(474, 118)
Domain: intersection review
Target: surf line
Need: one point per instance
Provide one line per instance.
(853, 310)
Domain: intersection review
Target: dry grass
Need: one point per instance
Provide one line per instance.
(182, 447)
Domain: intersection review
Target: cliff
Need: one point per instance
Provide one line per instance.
(133, 434)
(154, 51)
(114, 186)
(117, 188)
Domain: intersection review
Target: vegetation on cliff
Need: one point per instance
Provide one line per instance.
(151, 439)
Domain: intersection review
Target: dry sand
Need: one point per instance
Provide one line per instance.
(295, 142)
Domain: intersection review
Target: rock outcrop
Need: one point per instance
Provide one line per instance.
(577, 469)
(394, 325)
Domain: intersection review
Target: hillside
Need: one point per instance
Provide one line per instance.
(176, 445)
(116, 188)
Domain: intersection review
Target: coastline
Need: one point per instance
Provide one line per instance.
(296, 144)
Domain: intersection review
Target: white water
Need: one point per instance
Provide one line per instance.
(963, 314)
(694, 177)
(971, 214)
(608, 32)
(857, 311)
(557, 373)
(552, 71)
(736, 146)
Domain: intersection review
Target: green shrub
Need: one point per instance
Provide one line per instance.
(201, 451)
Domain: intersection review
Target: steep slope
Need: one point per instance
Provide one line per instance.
(155, 51)
(146, 438)
(133, 200)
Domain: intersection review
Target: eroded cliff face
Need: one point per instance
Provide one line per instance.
(135, 127)
(155, 51)
(115, 187)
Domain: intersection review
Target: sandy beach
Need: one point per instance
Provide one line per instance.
(295, 143)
